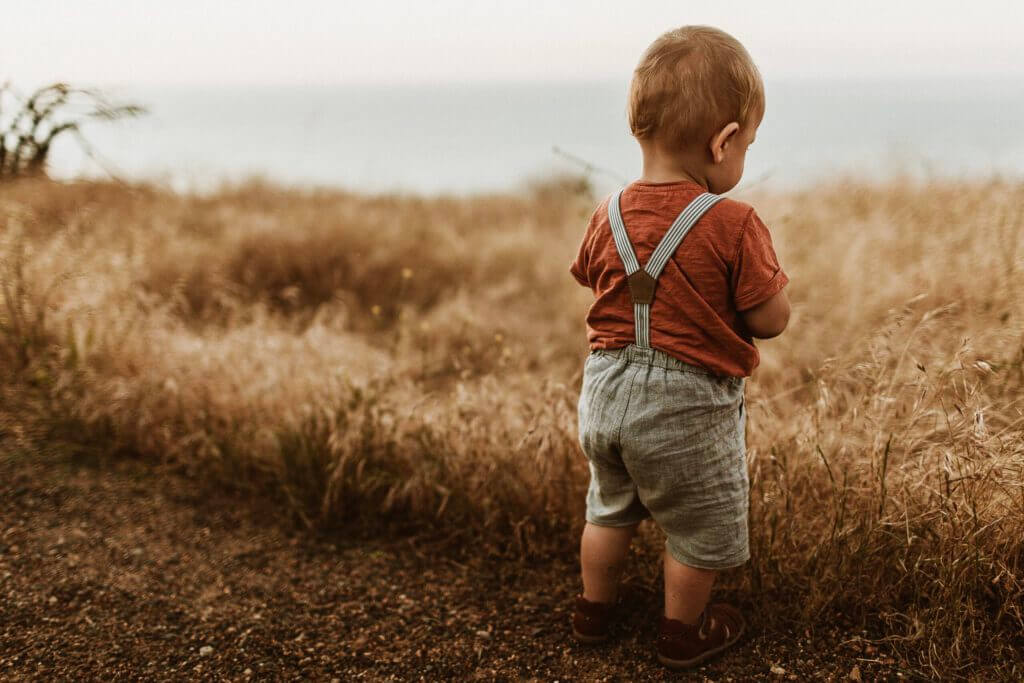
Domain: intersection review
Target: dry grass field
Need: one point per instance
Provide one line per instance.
(406, 363)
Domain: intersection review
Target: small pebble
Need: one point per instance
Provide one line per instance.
(205, 651)
(778, 670)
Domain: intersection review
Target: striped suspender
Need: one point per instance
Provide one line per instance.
(642, 280)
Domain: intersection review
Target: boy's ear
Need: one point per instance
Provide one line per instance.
(720, 140)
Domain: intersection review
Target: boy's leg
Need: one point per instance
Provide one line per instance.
(687, 590)
(685, 637)
(603, 552)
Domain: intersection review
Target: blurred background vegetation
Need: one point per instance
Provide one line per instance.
(396, 364)
(29, 125)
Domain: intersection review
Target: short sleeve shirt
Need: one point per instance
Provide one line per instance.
(726, 264)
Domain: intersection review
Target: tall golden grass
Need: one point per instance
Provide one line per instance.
(415, 362)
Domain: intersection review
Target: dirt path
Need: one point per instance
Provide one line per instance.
(115, 572)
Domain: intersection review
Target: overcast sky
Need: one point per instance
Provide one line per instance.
(139, 42)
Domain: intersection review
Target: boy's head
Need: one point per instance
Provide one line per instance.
(696, 92)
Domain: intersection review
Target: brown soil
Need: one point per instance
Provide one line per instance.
(116, 571)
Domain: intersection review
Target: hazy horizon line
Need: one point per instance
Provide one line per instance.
(980, 78)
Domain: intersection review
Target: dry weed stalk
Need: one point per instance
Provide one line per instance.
(28, 132)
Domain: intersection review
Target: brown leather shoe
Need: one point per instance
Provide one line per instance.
(590, 620)
(681, 646)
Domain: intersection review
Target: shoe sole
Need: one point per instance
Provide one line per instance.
(584, 638)
(704, 656)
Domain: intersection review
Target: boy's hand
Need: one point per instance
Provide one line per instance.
(769, 318)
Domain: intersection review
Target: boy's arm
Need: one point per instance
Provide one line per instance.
(758, 282)
(581, 264)
(769, 318)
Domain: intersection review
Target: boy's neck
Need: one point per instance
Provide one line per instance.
(660, 167)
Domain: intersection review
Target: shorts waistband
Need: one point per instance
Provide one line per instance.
(651, 356)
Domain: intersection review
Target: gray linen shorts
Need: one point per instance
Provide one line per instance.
(665, 439)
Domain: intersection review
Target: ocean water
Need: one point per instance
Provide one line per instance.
(471, 138)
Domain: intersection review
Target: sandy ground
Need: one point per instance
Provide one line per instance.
(113, 571)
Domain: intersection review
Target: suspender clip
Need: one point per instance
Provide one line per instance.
(641, 286)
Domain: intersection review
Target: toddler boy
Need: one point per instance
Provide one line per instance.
(661, 414)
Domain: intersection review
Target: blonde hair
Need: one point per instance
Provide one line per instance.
(689, 83)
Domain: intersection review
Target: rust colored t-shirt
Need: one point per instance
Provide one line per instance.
(726, 264)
